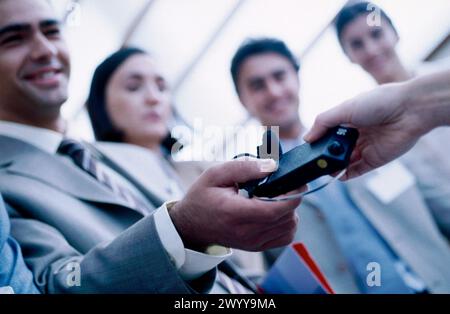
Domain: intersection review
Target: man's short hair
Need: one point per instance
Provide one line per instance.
(351, 12)
(258, 46)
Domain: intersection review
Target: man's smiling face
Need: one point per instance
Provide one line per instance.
(269, 89)
(34, 59)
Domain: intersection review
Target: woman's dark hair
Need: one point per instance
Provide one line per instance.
(351, 12)
(104, 129)
(257, 46)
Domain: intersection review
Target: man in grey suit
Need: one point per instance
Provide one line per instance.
(84, 224)
(379, 222)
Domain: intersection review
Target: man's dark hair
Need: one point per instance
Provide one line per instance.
(257, 46)
(351, 12)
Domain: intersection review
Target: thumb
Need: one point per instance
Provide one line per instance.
(241, 171)
(339, 115)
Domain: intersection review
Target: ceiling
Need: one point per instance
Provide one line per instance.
(194, 40)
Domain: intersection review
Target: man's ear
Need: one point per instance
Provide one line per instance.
(241, 100)
(352, 60)
(348, 55)
(239, 95)
(247, 110)
(397, 37)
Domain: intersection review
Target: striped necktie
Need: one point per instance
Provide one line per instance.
(83, 158)
(231, 285)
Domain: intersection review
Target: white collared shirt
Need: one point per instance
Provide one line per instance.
(191, 264)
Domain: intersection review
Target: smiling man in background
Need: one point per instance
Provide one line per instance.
(346, 226)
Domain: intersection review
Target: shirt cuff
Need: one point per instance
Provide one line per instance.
(6, 290)
(191, 264)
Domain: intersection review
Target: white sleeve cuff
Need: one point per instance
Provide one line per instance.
(169, 236)
(197, 263)
(6, 290)
(191, 264)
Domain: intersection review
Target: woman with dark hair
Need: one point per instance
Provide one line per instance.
(101, 95)
(369, 39)
(130, 103)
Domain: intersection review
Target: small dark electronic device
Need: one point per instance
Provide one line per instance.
(304, 163)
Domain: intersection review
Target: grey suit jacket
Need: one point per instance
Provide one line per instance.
(251, 264)
(139, 163)
(68, 225)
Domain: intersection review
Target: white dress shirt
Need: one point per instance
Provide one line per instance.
(190, 264)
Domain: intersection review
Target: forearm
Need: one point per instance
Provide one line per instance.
(134, 262)
(428, 97)
(13, 271)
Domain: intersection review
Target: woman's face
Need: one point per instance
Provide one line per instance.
(371, 47)
(139, 101)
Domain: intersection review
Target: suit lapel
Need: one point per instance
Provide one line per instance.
(373, 209)
(26, 160)
(150, 194)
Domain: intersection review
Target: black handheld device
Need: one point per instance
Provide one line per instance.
(304, 163)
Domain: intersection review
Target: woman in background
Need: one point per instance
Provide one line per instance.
(130, 102)
(371, 47)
